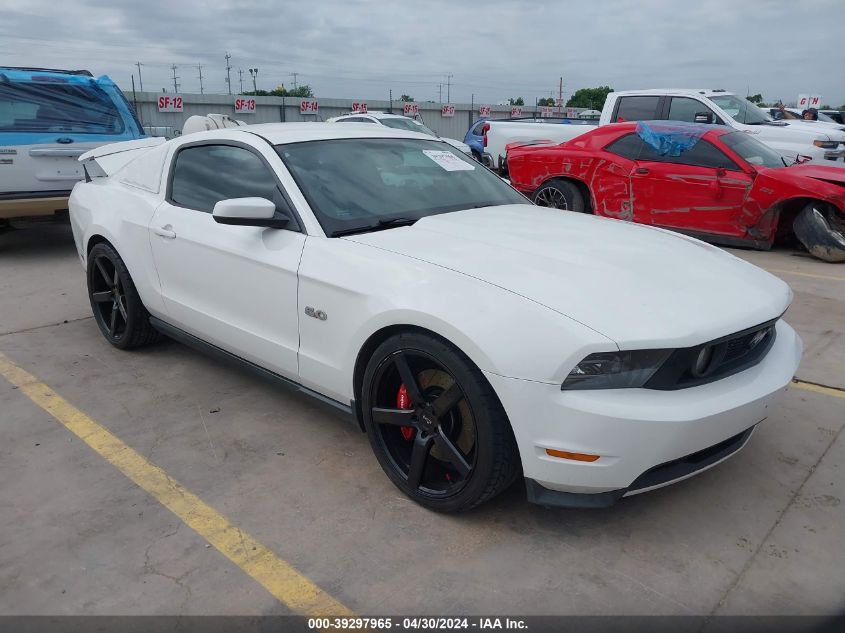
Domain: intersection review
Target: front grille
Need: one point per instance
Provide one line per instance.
(729, 355)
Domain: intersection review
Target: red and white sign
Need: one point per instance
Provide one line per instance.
(803, 101)
(547, 111)
(448, 109)
(410, 109)
(170, 103)
(244, 106)
(815, 101)
(359, 107)
(308, 107)
(485, 110)
(571, 113)
(516, 111)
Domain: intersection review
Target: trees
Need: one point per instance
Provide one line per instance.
(406, 98)
(756, 99)
(518, 101)
(592, 98)
(280, 91)
(545, 102)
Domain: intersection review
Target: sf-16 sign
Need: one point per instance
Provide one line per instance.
(244, 106)
(448, 109)
(308, 107)
(170, 103)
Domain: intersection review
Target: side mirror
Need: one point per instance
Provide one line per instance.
(703, 117)
(249, 212)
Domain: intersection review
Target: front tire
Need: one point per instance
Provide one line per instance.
(821, 232)
(435, 424)
(118, 310)
(559, 194)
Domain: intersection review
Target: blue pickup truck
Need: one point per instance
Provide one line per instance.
(48, 118)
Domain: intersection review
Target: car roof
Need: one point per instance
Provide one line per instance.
(375, 114)
(631, 126)
(707, 92)
(280, 133)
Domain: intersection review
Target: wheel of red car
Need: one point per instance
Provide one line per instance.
(559, 194)
(822, 231)
(435, 424)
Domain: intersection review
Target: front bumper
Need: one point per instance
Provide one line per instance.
(645, 438)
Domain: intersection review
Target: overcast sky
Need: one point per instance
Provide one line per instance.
(493, 49)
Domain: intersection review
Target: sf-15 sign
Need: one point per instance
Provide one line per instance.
(410, 109)
(447, 110)
(359, 107)
(170, 103)
(244, 106)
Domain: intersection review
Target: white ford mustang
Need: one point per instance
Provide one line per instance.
(475, 338)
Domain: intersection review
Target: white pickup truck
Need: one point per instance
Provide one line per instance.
(791, 138)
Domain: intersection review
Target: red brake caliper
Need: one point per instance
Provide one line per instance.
(404, 402)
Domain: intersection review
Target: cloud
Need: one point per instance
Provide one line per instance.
(493, 50)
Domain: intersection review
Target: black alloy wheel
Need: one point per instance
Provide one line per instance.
(118, 310)
(559, 194)
(435, 425)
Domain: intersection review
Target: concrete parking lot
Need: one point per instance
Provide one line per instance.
(759, 534)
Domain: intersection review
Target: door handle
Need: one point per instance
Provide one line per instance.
(165, 231)
(641, 170)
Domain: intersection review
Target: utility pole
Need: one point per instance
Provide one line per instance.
(560, 96)
(449, 88)
(390, 109)
(440, 89)
(294, 75)
(140, 80)
(199, 68)
(175, 85)
(253, 72)
(228, 77)
(241, 79)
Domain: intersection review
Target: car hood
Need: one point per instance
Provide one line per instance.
(457, 144)
(834, 175)
(639, 286)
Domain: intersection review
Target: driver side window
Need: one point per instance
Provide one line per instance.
(685, 109)
(205, 174)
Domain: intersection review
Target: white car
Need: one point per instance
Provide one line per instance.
(398, 122)
(476, 338)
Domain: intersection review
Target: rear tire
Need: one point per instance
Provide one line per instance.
(559, 194)
(448, 445)
(118, 310)
(821, 231)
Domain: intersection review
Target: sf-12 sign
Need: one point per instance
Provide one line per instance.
(244, 106)
(517, 111)
(485, 110)
(308, 107)
(410, 109)
(170, 103)
(359, 106)
(448, 109)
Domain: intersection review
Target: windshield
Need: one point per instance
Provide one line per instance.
(409, 125)
(752, 150)
(57, 107)
(353, 184)
(740, 110)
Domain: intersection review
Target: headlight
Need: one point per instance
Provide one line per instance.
(616, 370)
(825, 144)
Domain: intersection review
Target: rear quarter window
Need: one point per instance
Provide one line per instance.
(636, 108)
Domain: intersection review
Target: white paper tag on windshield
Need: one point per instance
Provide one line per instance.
(447, 160)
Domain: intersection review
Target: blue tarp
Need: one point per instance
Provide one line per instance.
(672, 137)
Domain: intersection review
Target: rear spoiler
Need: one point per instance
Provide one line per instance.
(106, 160)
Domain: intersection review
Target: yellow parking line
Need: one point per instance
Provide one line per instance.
(811, 386)
(795, 272)
(277, 576)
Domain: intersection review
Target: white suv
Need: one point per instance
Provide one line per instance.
(398, 122)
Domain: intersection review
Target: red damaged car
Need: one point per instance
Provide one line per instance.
(708, 181)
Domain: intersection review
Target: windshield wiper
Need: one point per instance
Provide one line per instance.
(384, 223)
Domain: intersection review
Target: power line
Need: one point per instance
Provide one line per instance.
(294, 75)
(449, 88)
(140, 80)
(241, 79)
